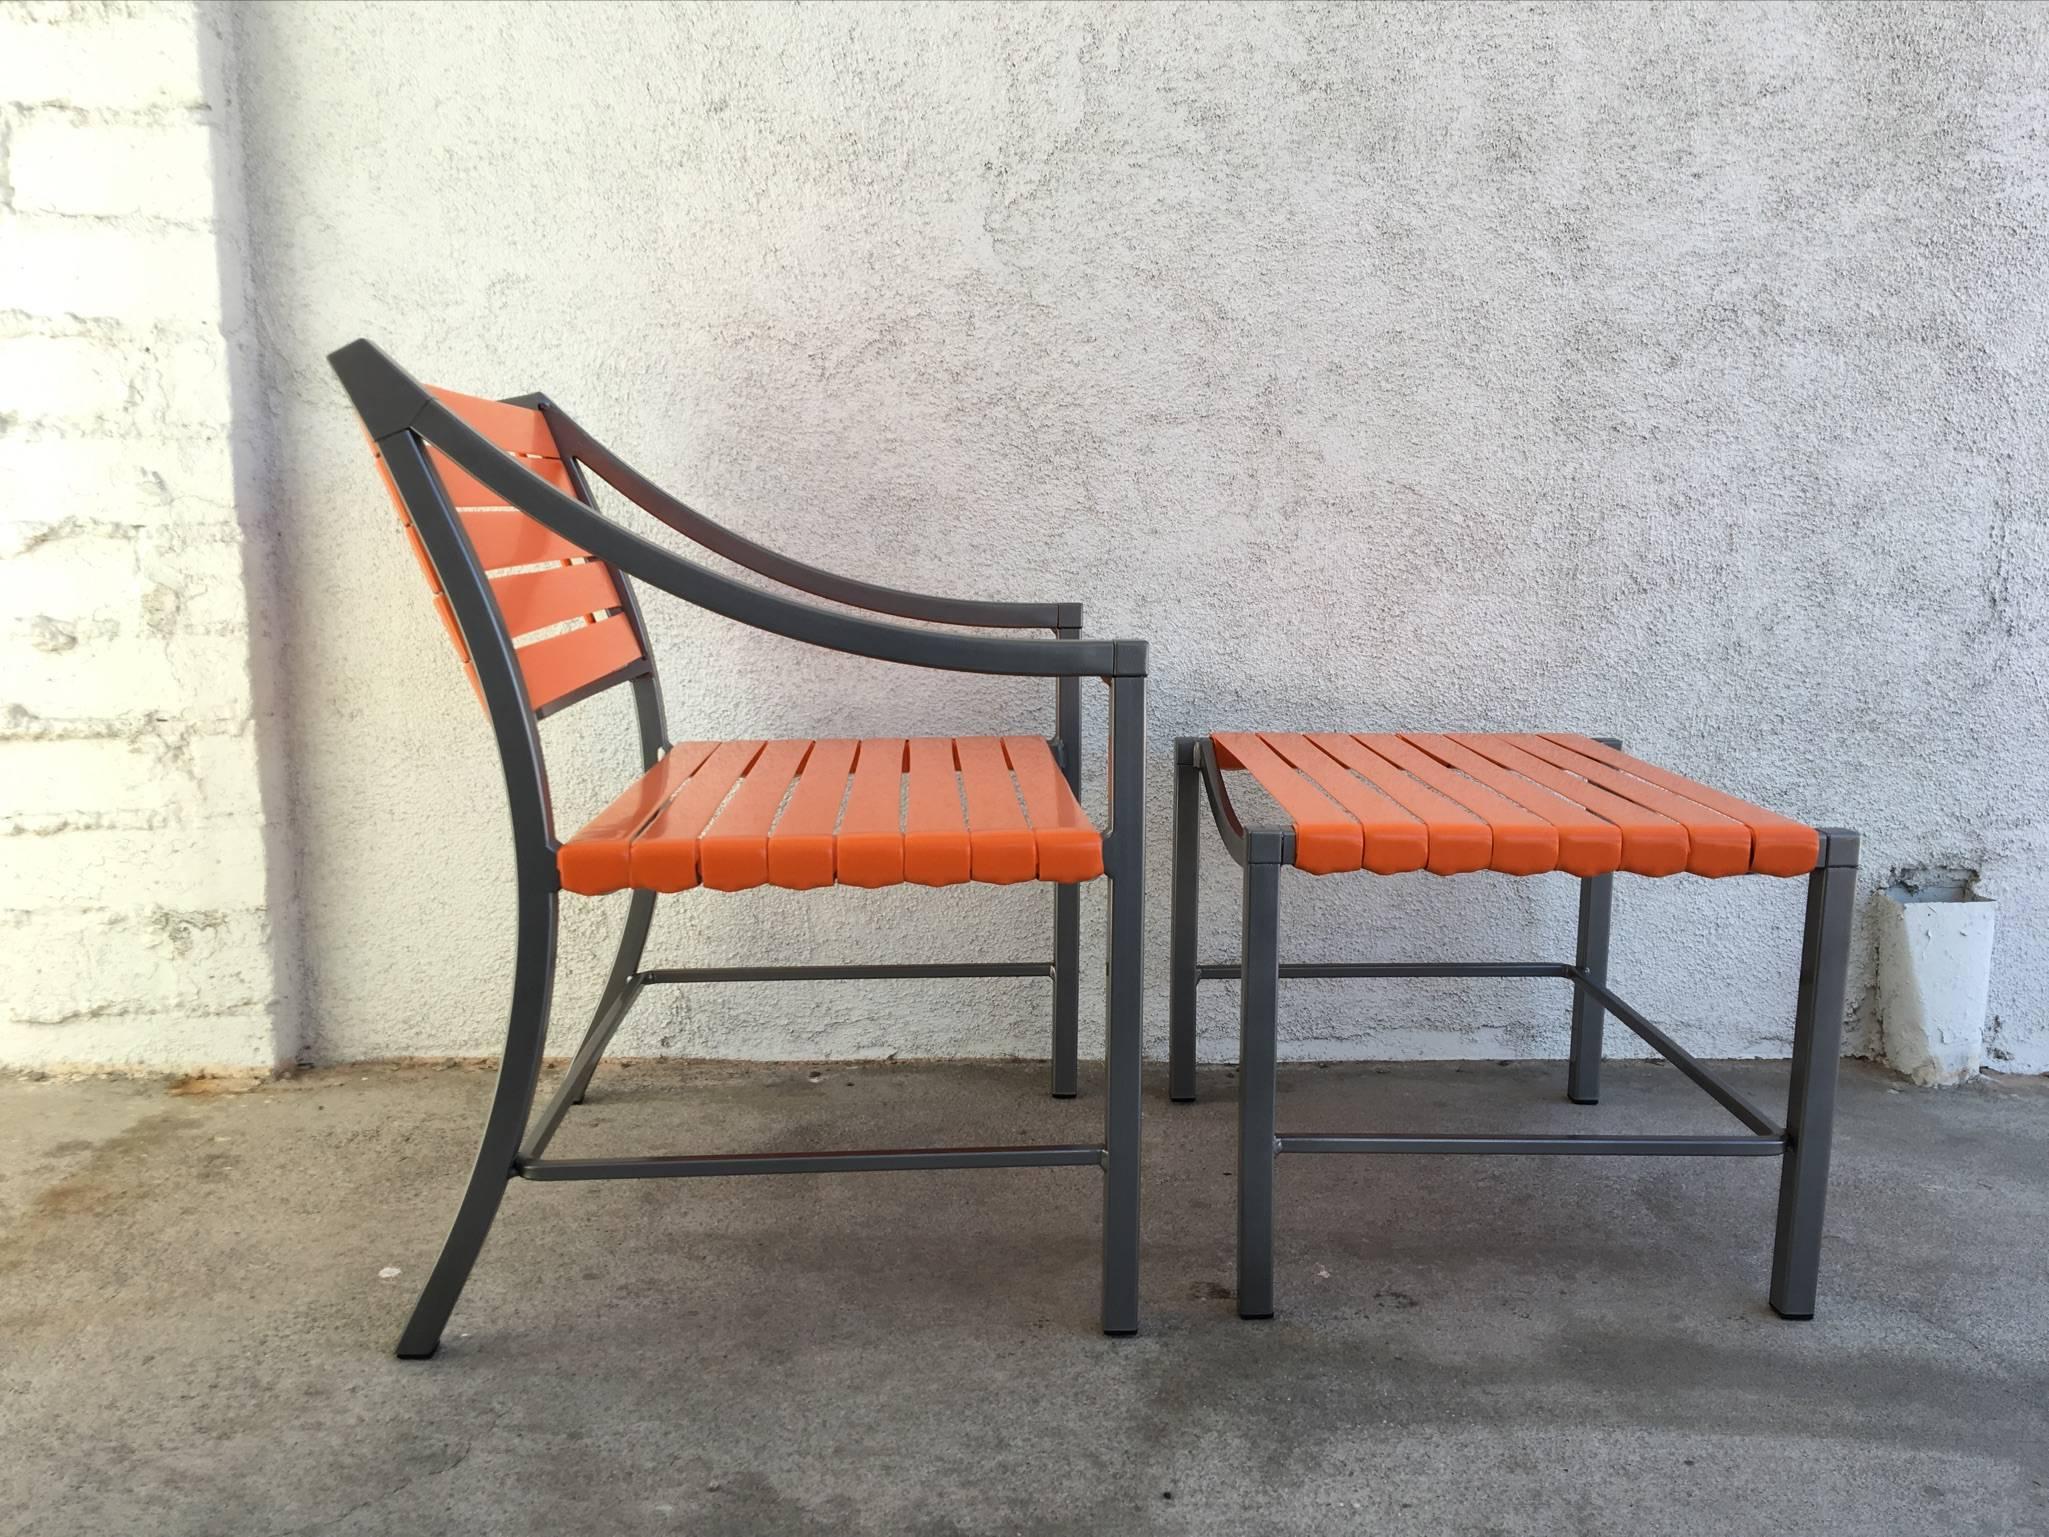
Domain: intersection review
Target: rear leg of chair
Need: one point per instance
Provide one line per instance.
(615, 1004)
(1124, 1011)
(526, 1036)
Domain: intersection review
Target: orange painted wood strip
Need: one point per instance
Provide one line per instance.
(503, 537)
(595, 861)
(1459, 840)
(516, 429)
(562, 664)
(1716, 845)
(1779, 845)
(936, 848)
(1001, 848)
(870, 847)
(1587, 845)
(534, 600)
(1652, 844)
(664, 855)
(1394, 841)
(732, 854)
(466, 491)
(1521, 842)
(800, 848)
(1327, 837)
(1070, 847)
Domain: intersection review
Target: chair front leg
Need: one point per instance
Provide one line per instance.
(1067, 902)
(1124, 1023)
(533, 984)
(1181, 959)
(1811, 1097)
(1258, 1002)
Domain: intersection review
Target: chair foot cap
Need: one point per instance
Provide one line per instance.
(1793, 1318)
(1578, 1101)
(418, 1355)
(1254, 1317)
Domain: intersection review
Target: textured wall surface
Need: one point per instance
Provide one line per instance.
(138, 920)
(1670, 372)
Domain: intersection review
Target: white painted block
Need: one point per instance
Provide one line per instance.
(1934, 977)
(136, 273)
(72, 379)
(61, 164)
(135, 58)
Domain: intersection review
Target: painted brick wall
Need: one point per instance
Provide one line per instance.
(136, 887)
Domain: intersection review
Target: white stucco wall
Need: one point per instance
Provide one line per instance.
(140, 920)
(1671, 372)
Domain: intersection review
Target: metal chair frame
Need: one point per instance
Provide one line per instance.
(402, 419)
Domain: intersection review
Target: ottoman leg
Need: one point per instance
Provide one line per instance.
(1259, 989)
(1596, 908)
(1811, 1099)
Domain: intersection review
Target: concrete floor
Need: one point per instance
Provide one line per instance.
(195, 1318)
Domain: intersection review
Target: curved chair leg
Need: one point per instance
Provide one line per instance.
(533, 984)
(609, 1015)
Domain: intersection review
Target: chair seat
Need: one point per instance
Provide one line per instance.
(934, 811)
(1520, 804)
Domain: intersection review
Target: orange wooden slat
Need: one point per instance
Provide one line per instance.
(800, 847)
(1716, 845)
(870, 848)
(1652, 844)
(534, 600)
(664, 855)
(1327, 837)
(732, 855)
(1779, 845)
(936, 849)
(1070, 848)
(1459, 840)
(1001, 848)
(1520, 841)
(564, 663)
(505, 537)
(1394, 841)
(466, 491)
(1587, 845)
(595, 861)
(516, 429)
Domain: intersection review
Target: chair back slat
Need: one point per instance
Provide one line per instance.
(561, 606)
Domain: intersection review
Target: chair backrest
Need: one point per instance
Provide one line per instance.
(571, 617)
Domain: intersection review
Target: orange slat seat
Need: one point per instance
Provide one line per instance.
(1517, 803)
(937, 811)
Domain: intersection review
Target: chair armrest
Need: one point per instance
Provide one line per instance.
(578, 444)
(391, 402)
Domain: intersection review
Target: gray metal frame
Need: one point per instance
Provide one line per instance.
(403, 418)
(1263, 852)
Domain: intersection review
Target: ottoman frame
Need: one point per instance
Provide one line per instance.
(1263, 851)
